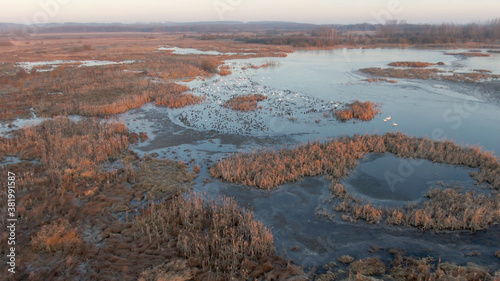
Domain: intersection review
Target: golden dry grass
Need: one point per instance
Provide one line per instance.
(404, 268)
(411, 64)
(222, 241)
(69, 202)
(106, 89)
(428, 73)
(364, 111)
(268, 169)
(446, 209)
(469, 54)
(69, 199)
(370, 80)
(413, 268)
(244, 103)
(450, 209)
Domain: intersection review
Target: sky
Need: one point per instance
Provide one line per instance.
(311, 11)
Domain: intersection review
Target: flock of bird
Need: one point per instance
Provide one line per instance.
(283, 104)
(389, 118)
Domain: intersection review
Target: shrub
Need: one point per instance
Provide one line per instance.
(244, 103)
(364, 111)
(210, 65)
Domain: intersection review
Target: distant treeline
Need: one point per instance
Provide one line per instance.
(294, 34)
(443, 33)
(390, 33)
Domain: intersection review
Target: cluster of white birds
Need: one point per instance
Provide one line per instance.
(389, 118)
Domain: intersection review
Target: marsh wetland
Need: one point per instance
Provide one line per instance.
(243, 161)
(329, 80)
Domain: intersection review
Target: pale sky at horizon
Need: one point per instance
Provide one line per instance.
(312, 11)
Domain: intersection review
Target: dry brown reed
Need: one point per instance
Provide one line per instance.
(225, 70)
(106, 89)
(244, 103)
(368, 266)
(469, 54)
(57, 236)
(364, 111)
(63, 144)
(178, 101)
(411, 64)
(154, 178)
(406, 268)
(413, 73)
(69, 202)
(370, 80)
(268, 169)
(413, 268)
(446, 209)
(69, 197)
(222, 241)
(98, 91)
(429, 73)
(450, 209)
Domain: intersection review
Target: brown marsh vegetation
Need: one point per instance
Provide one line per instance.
(336, 158)
(408, 268)
(225, 70)
(98, 91)
(428, 73)
(245, 102)
(450, 209)
(82, 179)
(411, 64)
(370, 80)
(266, 63)
(70, 88)
(216, 238)
(469, 54)
(446, 209)
(364, 111)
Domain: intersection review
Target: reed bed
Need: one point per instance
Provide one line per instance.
(244, 103)
(414, 268)
(450, 210)
(411, 64)
(412, 73)
(52, 192)
(107, 89)
(364, 111)
(428, 73)
(370, 80)
(97, 92)
(178, 101)
(225, 70)
(469, 54)
(62, 144)
(221, 241)
(69, 201)
(268, 169)
(405, 267)
(446, 209)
